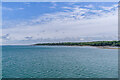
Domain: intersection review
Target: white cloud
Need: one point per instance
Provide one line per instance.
(6, 8)
(89, 6)
(11, 9)
(64, 25)
(109, 8)
(67, 7)
(53, 5)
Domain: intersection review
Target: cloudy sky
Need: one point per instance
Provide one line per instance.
(36, 22)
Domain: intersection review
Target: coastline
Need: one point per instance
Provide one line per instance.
(102, 47)
(98, 44)
(108, 47)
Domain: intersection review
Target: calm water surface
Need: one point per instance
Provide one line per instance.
(59, 62)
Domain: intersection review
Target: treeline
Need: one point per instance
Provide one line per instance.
(95, 43)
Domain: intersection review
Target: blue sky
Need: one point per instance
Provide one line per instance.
(22, 10)
(30, 22)
(60, 0)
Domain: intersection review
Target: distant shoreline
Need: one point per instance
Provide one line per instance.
(102, 47)
(98, 44)
(108, 47)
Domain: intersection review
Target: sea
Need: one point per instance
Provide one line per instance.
(59, 62)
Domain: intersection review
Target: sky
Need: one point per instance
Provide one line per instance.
(38, 22)
(60, 0)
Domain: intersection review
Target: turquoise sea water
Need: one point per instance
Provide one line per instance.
(59, 62)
